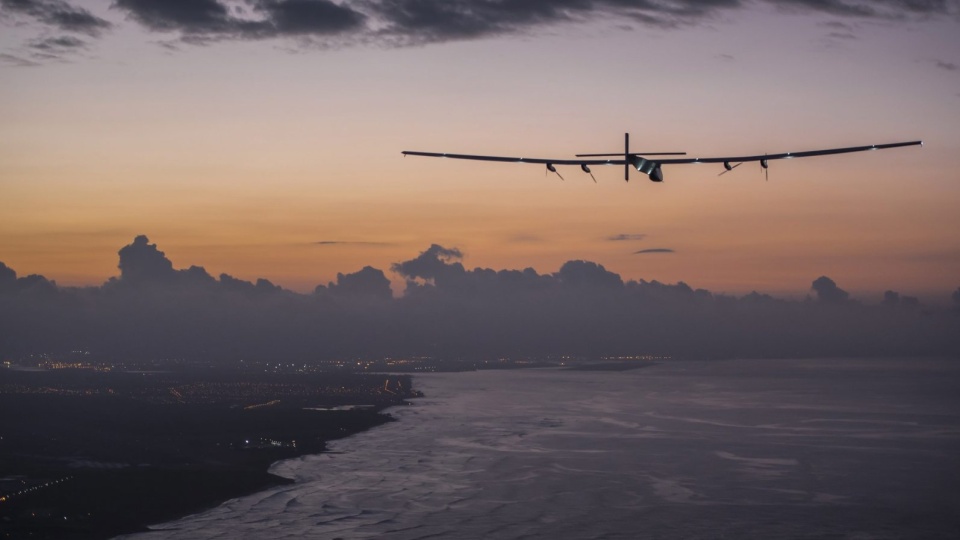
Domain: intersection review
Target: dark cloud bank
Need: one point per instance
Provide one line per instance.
(414, 22)
(424, 21)
(153, 310)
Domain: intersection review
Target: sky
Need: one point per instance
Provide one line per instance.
(263, 138)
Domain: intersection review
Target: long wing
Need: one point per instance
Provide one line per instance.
(669, 161)
(787, 155)
(541, 161)
(652, 167)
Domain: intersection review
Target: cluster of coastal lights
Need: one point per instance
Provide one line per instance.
(5, 498)
(272, 442)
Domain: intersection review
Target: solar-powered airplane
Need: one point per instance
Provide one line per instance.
(651, 167)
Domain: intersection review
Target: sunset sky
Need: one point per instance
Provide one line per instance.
(262, 138)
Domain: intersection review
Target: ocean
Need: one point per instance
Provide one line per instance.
(814, 449)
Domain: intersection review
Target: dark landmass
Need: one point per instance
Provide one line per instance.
(93, 455)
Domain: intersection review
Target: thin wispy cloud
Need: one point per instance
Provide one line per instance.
(524, 239)
(873, 9)
(58, 44)
(626, 237)
(351, 243)
(947, 66)
(842, 35)
(58, 14)
(653, 250)
(838, 26)
(18, 61)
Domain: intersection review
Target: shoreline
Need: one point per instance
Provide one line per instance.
(101, 503)
(76, 465)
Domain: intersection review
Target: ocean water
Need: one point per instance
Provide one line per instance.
(827, 449)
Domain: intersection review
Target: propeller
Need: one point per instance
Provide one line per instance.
(553, 169)
(766, 169)
(583, 166)
(727, 167)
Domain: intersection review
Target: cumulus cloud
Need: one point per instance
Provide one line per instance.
(367, 282)
(142, 262)
(8, 277)
(588, 274)
(891, 298)
(432, 264)
(827, 290)
(153, 309)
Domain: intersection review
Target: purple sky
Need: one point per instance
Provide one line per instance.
(262, 138)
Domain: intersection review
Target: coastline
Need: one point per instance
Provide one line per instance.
(101, 466)
(105, 500)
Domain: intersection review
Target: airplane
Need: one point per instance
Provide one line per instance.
(652, 167)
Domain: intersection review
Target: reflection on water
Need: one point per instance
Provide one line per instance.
(852, 449)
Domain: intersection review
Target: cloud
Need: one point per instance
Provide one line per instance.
(874, 9)
(588, 274)
(827, 290)
(154, 310)
(838, 26)
(948, 66)
(350, 243)
(654, 250)
(625, 237)
(58, 44)
(142, 262)
(206, 20)
(432, 21)
(891, 298)
(842, 35)
(368, 282)
(59, 14)
(313, 17)
(18, 61)
(415, 22)
(8, 277)
(432, 264)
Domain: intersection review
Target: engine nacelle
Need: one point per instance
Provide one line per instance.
(650, 168)
(656, 175)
